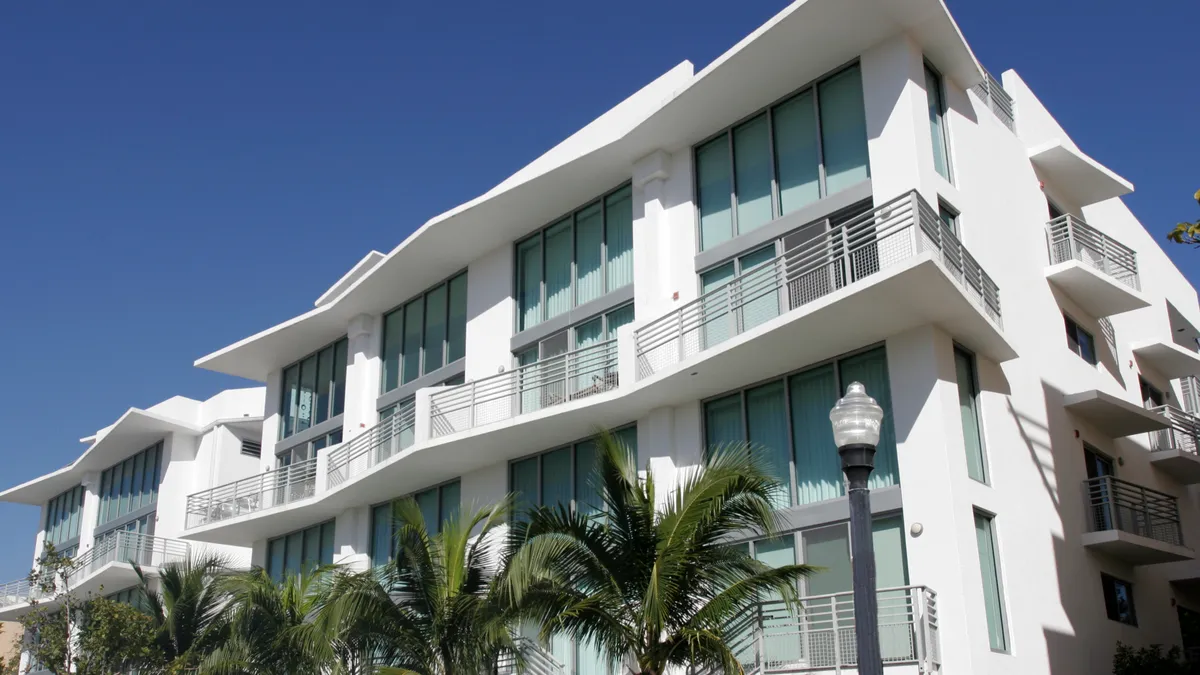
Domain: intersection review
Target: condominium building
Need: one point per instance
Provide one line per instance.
(845, 195)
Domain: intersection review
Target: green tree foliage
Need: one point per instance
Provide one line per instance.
(46, 623)
(1185, 232)
(187, 611)
(115, 637)
(1150, 661)
(651, 585)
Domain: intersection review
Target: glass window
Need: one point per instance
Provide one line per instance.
(435, 329)
(1080, 341)
(437, 505)
(529, 282)
(989, 568)
(797, 154)
(314, 389)
(131, 484)
(414, 316)
(324, 384)
(457, 340)
(589, 254)
(308, 391)
(618, 233)
(563, 475)
(968, 405)
(393, 333)
(715, 187)
(1118, 600)
(290, 406)
(843, 130)
(767, 428)
(558, 268)
(937, 124)
(949, 217)
(299, 551)
(752, 174)
(588, 373)
(426, 333)
(62, 517)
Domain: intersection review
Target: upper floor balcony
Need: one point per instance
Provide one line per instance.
(283, 485)
(1096, 271)
(1132, 523)
(1175, 449)
(991, 91)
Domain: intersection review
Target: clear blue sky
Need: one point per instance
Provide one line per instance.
(176, 176)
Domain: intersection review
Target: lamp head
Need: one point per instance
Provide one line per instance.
(856, 418)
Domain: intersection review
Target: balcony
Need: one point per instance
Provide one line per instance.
(370, 448)
(568, 377)
(1113, 416)
(1168, 359)
(992, 93)
(1174, 449)
(1080, 179)
(1132, 523)
(284, 485)
(1189, 394)
(1096, 271)
(888, 270)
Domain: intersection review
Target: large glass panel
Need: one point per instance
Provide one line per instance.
(457, 342)
(818, 468)
(936, 102)
(767, 424)
(126, 480)
(829, 548)
(891, 571)
(324, 384)
(587, 494)
(870, 368)
(291, 399)
(427, 502)
(589, 256)
(340, 352)
(435, 329)
(797, 155)
(723, 422)
(529, 282)
(713, 183)
(312, 548)
(752, 174)
(451, 498)
(558, 269)
(617, 318)
(413, 329)
(757, 297)
(293, 559)
(990, 571)
(964, 367)
(308, 392)
(589, 366)
(275, 556)
(393, 339)
(618, 227)
(139, 476)
(781, 641)
(557, 477)
(715, 310)
(327, 532)
(524, 483)
(381, 534)
(843, 130)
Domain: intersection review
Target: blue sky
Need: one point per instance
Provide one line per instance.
(176, 176)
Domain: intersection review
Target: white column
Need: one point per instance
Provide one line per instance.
(271, 420)
(651, 236)
(362, 374)
(352, 538)
(91, 509)
(490, 312)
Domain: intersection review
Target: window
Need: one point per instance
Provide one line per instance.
(809, 146)
(936, 98)
(949, 217)
(437, 504)
(301, 550)
(562, 476)
(426, 333)
(1080, 341)
(558, 377)
(1118, 600)
(575, 260)
(314, 389)
(968, 406)
(788, 420)
(131, 596)
(128, 486)
(989, 569)
(251, 448)
(307, 450)
(63, 514)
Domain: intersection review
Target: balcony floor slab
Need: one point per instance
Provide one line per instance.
(1135, 549)
(1094, 291)
(1180, 464)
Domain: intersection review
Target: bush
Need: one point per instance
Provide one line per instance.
(1150, 661)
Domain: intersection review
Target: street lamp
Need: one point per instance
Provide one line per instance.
(856, 420)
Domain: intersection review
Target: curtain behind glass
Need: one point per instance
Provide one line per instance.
(414, 317)
(529, 282)
(457, 340)
(767, 424)
(381, 534)
(291, 399)
(723, 422)
(450, 495)
(435, 328)
(619, 238)
(829, 548)
(713, 182)
(843, 130)
(427, 502)
(796, 152)
(617, 318)
(752, 174)
(557, 477)
(524, 483)
(393, 327)
(558, 269)
(933, 97)
(587, 496)
(985, 540)
(715, 309)
(891, 571)
(818, 467)
(781, 640)
(308, 392)
(964, 369)
(529, 381)
(589, 235)
(757, 295)
(589, 366)
(870, 368)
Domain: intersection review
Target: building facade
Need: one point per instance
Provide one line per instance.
(845, 195)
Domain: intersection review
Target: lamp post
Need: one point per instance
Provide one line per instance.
(856, 419)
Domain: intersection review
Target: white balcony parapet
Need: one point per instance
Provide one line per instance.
(16, 592)
(552, 381)
(884, 237)
(1072, 239)
(1182, 435)
(820, 635)
(997, 100)
(277, 487)
(363, 452)
(128, 547)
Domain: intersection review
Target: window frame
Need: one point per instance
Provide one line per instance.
(572, 446)
(319, 527)
(1108, 586)
(1001, 595)
(411, 495)
(942, 109)
(813, 87)
(113, 489)
(572, 338)
(331, 418)
(1068, 322)
(955, 224)
(64, 512)
(421, 361)
(973, 361)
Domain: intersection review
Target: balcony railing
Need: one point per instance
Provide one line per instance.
(884, 237)
(1189, 390)
(820, 635)
(280, 486)
(537, 660)
(1072, 239)
(128, 547)
(998, 100)
(362, 453)
(552, 381)
(1182, 435)
(15, 592)
(1114, 504)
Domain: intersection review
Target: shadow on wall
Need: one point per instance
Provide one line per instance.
(1102, 331)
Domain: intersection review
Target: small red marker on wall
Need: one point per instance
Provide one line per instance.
(675, 295)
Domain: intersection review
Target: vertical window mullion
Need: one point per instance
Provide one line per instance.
(793, 492)
(733, 215)
(776, 209)
(575, 260)
(816, 99)
(543, 309)
(604, 244)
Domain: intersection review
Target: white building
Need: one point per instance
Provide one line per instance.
(122, 501)
(844, 195)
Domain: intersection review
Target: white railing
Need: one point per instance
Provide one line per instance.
(558, 379)
(1115, 504)
(820, 635)
(1182, 435)
(998, 101)
(1189, 390)
(363, 452)
(1072, 239)
(128, 547)
(884, 237)
(266, 490)
(537, 661)
(15, 592)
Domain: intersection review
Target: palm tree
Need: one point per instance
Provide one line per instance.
(431, 610)
(187, 610)
(648, 584)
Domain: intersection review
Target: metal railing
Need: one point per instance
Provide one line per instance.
(1182, 435)
(1189, 394)
(128, 547)
(821, 636)
(883, 237)
(363, 452)
(15, 592)
(997, 99)
(1114, 504)
(552, 381)
(283, 485)
(1070, 238)
(537, 661)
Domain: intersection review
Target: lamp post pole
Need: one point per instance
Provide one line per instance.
(856, 422)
